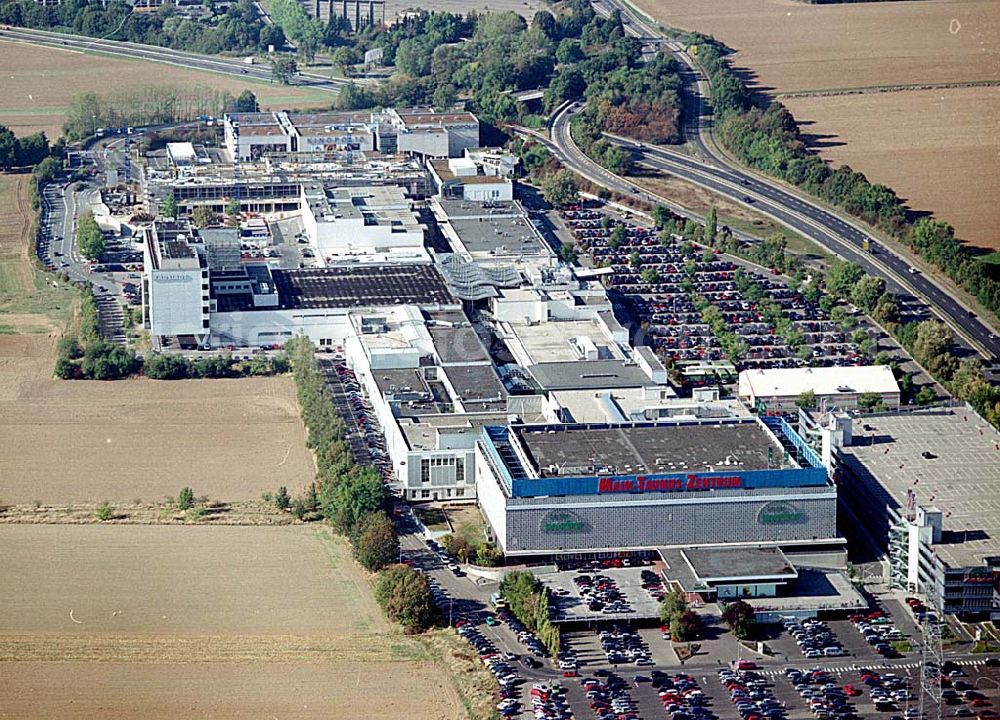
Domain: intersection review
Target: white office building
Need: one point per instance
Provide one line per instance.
(374, 224)
(175, 284)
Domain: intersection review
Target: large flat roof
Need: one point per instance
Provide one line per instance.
(590, 374)
(498, 236)
(362, 286)
(421, 432)
(649, 449)
(458, 344)
(962, 479)
(790, 382)
(718, 564)
(478, 387)
(553, 341)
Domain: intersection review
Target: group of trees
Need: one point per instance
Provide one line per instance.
(152, 105)
(763, 134)
(90, 356)
(479, 552)
(635, 99)
(560, 189)
(528, 599)
(159, 366)
(89, 236)
(739, 616)
(237, 29)
(353, 498)
(683, 623)
(21, 152)
(405, 596)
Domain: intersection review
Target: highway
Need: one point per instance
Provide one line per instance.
(153, 53)
(713, 169)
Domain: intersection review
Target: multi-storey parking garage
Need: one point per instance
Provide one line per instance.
(601, 488)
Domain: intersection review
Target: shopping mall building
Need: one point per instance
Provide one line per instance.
(599, 489)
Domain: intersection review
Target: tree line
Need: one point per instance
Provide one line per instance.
(354, 499)
(445, 59)
(88, 356)
(764, 135)
(238, 28)
(157, 105)
(528, 600)
(21, 152)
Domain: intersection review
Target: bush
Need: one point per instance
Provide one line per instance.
(166, 367)
(281, 499)
(105, 511)
(185, 499)
(405, 596)
(739, 616)
(377, 545)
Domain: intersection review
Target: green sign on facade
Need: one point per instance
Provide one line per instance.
(780, 513)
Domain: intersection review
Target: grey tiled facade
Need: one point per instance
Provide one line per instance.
(581, 524)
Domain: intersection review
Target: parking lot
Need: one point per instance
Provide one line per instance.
(757, 320)
(614, 594)
(363, 432)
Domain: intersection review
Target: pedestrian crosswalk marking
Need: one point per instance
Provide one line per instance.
(966, 662)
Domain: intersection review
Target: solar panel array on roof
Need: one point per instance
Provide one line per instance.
(362, 286)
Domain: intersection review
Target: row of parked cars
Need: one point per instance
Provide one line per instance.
(814, 638)
(878, 630)
(609, 698)
(524, 636)
(622, 645)
(508, 703)
(825, 699)
(364, 420)
(889, 692)
(548, 702)
(652, 583)
(602, 594)
(750, 695)
(681, 697)
(957, 691)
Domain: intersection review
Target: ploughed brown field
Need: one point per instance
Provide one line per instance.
(39, 83)
(222, 622)
(939, 149)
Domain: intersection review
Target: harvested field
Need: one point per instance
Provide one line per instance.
(82, 691)
(942, 157)
(88, 441)
(39, 83)
(170, 622)
(791, 45)
(955, 173)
